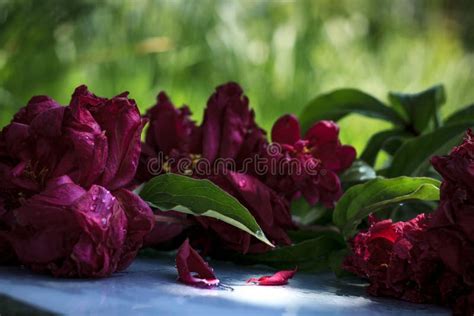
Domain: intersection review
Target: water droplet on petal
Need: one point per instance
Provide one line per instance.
(104, 221)
(103, 200)
(242, 183)
(92, 208)
(94, 198)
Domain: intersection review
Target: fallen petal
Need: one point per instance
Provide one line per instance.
(279, 278)
(188, 261)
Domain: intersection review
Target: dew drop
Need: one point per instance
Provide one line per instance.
(242, 183)
(104, 221)
(92, 208)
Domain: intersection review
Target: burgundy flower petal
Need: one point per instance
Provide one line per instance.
(119, 118)
(229, 129)
(286, 130)
(168, 226)
(140, 222)
(188, 261)
(35, 106)
(324, 142)
(70, 232)
(170, 128)
(279, 278)
(323, 132)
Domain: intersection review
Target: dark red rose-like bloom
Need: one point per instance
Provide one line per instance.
(279, 278)
(63, 170)
(451, 232)
(71, 232)
(310, 163)
(229, 128)
(94, 141)
(170, 128)
(397, 260)
(188, 261)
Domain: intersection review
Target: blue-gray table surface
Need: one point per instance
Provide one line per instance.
(149, 286)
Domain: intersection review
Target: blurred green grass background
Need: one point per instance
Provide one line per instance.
(282, 52)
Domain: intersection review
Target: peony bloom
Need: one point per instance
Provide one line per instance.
(171, 130)
(397, 260)
(451, 232)
(309, 165)
(63, 170)
(72, 232)
(94, 141)
(279, 278)
(229, 128)
(188, 261)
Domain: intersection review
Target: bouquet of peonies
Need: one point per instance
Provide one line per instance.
(81, 193)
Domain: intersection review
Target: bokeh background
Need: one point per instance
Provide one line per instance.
(282, 52)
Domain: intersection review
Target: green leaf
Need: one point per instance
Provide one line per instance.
(378, 141)
(412, 159)
(464, 115)
(306, 214)
(309, 255)
(200, 198)
(361, 200)
(339, 103)
(420, 107)
(336, 259)
(359, 172)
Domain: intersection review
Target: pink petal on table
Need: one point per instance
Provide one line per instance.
(279, 278)
(189, 261)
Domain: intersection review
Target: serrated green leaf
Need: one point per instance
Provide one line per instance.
(200, 198)
(466, 114)
(420, 108)
(339, 103)
(361, 200)
(412, 159)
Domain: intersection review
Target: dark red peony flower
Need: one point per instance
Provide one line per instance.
(308, 165)
(94, 141)
(279, 278)
(71, 232)
(229, 128)
(397, 260)
(188, 261)
(63, 206)
(171, 129)
(451, 232)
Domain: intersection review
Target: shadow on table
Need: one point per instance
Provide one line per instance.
(11, 306)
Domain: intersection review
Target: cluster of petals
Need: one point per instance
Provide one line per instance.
(64, 172)
(431, 257)
(229, 132)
